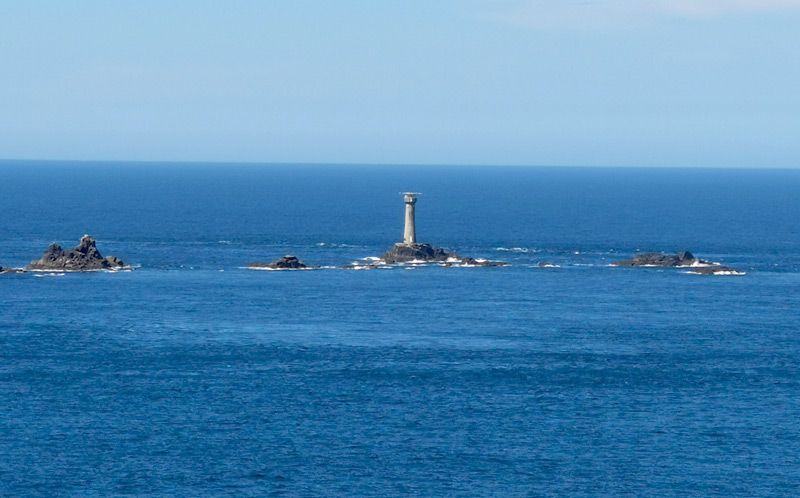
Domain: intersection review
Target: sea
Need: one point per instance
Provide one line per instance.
(193, 376)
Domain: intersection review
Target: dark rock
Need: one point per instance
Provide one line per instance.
(287, 262)
(716, 270)
(403, 253)
(684, 258)
(84, 257)
(482, 262)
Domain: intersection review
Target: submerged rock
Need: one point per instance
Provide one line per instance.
(84, 257)
(403, 253)
(684, 258)
(481, 262)
(716, 270)
(287, 262)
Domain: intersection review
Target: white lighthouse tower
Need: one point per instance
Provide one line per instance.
(410, 231)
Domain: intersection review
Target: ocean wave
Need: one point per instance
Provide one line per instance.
(335, 245)
(521, 250)
(699, 264)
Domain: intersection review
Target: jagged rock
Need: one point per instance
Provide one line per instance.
(287, 262)
(684, 258)
(84, 257)
(403, 253)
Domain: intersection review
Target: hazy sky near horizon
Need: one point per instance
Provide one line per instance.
(528, 82)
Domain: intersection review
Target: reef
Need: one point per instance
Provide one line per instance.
(83, 257)
(716, 270)
(478, 262)
(287, 262)
(684, 258)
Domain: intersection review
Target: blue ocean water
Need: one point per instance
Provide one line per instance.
(192, 376)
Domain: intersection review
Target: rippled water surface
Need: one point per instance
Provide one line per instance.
(192, 376)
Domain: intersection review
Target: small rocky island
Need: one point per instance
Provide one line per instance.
(83, 257)
(410, 250)
(287, 262)
(683, 259)
(716, 270)
(403, 253)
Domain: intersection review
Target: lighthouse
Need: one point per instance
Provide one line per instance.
(410, 231)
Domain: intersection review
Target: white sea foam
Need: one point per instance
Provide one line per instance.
(331, 244)
(371, 258)
(698, 264)
(103, 270)
(515, 249)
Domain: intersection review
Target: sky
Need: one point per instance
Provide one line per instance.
(709, 83)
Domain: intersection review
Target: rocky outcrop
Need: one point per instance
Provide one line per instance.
(403, 253)
(684, 258)
(480, 262)
(716, 270)
(84, 257)
(426, 253)
(287, 262)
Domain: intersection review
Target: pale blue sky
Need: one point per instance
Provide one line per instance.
(528, 82)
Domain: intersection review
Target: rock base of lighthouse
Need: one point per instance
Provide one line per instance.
(403, 253)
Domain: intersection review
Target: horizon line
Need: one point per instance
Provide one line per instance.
(389, 164)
